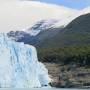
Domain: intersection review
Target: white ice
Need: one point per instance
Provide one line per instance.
(19, 65)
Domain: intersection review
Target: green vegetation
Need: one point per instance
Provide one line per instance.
(70, 45)
(66, 55)
(75, 33)
(80, 24)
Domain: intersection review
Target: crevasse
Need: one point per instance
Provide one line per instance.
(19, 65)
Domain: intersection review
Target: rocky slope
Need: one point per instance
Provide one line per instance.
(69, 76)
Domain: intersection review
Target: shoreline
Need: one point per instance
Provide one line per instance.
(68, 77)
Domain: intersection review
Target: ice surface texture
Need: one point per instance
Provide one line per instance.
(19, 65)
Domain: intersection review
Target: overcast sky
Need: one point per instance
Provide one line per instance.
(77, 4)
(15, 15)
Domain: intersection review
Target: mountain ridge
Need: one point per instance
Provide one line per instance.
(66, 35)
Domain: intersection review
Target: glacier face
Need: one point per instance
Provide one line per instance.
(19, 66)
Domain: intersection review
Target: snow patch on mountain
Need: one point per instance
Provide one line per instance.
(40, 26)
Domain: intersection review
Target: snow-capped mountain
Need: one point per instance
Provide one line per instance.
(40, 26)
(18, 15)
(32, 31)
(27, 19)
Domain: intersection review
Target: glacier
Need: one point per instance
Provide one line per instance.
(19, 65)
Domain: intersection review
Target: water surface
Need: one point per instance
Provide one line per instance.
(41, 89)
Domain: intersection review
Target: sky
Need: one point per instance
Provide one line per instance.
(76, 4)
(17, 15)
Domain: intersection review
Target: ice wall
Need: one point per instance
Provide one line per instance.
(19, 66)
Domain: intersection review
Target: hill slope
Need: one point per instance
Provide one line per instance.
(76, 33)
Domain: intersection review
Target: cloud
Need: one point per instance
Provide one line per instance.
(19, 15)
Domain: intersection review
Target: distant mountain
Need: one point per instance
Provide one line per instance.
(24, 22)
(29, 34)
(40, 26)
(62, 26)
(75, 33)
